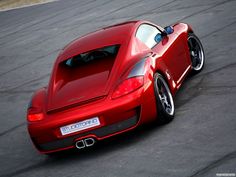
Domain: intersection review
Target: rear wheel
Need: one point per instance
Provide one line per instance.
(164, 99)
(196, 53)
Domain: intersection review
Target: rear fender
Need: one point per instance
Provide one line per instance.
(163, 70)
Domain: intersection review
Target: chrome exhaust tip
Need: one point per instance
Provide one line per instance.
(80, 144)
(87, 142)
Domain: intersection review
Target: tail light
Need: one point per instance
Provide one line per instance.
(34, 114)
(135, 78)
(35, 108)
(127, 86)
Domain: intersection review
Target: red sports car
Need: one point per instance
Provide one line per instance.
(111, 81)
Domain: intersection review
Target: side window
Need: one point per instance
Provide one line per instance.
(146, 33)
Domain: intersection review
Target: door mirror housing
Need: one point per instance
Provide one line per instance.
(158, 38)
(169, 30)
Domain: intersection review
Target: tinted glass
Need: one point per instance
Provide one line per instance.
(88, 57)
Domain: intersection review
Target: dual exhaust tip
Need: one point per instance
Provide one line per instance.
(87, 142)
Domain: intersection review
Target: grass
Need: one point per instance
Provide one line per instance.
(11, 4)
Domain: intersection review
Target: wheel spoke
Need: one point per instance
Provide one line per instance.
(165, 102)
(168, 109)
(162, 98)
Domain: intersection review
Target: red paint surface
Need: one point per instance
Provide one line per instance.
(88, 92)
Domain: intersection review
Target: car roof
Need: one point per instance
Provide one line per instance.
(111, 35)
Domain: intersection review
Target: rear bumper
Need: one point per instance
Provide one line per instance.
(99, 134)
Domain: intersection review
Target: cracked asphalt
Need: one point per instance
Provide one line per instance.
(201, 141)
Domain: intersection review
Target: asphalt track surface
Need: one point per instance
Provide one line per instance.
(201, 141)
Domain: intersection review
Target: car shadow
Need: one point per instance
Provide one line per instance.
(190, 89)
(105, 146)
(101, 148)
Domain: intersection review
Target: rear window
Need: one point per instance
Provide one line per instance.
(91, 64)
(86, 58)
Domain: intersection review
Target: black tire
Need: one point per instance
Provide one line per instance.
(164, 99)
(196, 53)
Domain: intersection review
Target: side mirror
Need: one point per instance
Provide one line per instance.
(158, 38)
(169, 30)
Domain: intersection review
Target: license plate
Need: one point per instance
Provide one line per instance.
(93, 122)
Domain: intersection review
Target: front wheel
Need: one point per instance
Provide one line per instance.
(196, 53)
(164, 99)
